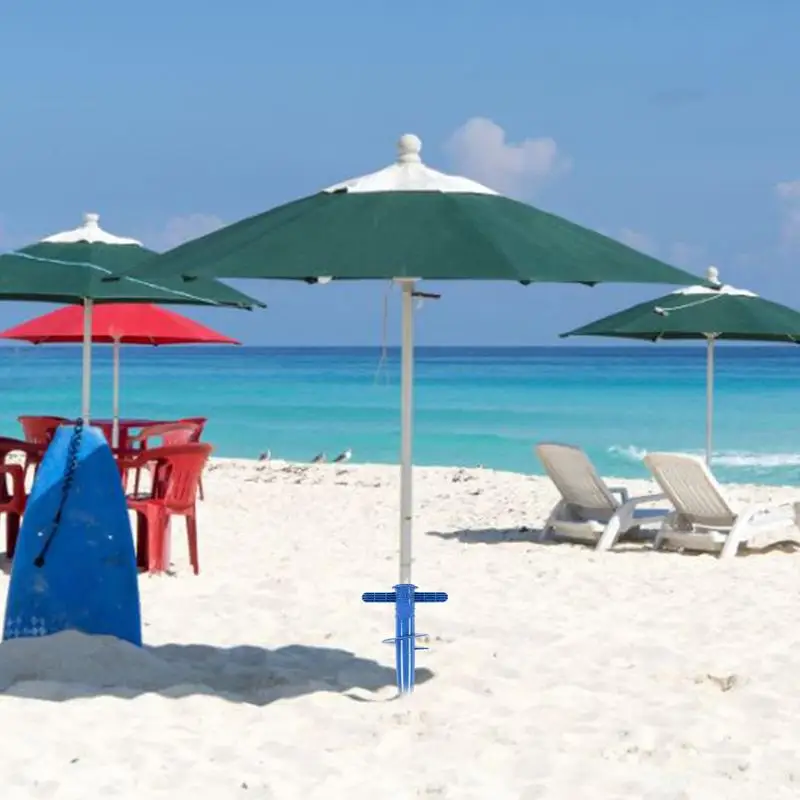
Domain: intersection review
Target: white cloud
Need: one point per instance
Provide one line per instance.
(480, 151)
(686, 255)
(789, 190)
(637, 240)
(681, 254)
(789, 194)
(190, 226)
(791, 225)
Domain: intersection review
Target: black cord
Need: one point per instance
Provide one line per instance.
(72, 463)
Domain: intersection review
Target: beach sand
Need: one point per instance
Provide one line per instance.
(553, 672)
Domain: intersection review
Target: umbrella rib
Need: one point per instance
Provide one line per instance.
(88, 264)
(62, 263)
(693, 304)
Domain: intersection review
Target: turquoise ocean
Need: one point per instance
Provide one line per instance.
(473, 405)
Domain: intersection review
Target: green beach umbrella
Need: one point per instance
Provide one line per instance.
(69, 267)
(711, 312)
(405, 223)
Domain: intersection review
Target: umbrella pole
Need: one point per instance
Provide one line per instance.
(406, 423)
(87, 360)
(404, 595)
(115, 401)
(709, 398)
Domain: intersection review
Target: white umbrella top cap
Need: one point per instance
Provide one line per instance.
(410, 174)
(717, 287)
(91, 232)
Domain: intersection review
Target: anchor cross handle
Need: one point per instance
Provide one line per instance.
(391, 597)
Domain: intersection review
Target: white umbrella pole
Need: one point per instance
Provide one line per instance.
(115, 400)
(86, 394)
(709, 399)
(406, 422)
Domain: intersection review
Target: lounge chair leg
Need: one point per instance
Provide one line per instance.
(732, 541)
(610, 534)
(555, 514)
(663, 530)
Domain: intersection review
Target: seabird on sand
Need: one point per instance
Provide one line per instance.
(318, 459)
(343, 457)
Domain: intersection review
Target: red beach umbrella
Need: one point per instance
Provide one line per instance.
(116, 323)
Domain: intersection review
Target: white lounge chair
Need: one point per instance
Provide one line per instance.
(588, 510)
(703, 519)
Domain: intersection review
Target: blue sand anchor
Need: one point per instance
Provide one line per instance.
(404, 597)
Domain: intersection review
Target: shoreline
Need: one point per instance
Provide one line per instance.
(279, 465)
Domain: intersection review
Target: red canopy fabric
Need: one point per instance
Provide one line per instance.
(129, 323)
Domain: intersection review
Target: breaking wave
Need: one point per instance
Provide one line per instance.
(732, 459)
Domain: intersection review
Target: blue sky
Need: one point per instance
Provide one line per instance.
(673, 127)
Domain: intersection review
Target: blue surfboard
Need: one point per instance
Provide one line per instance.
(85, 578)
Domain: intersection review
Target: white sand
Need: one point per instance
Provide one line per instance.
(556, 673)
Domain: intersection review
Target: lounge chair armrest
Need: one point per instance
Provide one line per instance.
(646, 498)
(754, 509)
(627, 511)
(621, 491)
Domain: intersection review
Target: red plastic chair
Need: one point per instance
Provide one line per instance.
(194, 436)
(170, 433)
(175, 481)
(12, 487)
(39, 431)
(184, 437)
(107, 429)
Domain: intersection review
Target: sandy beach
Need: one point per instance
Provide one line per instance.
(553, 672)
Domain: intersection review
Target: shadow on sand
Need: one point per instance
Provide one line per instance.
(70, 665)
(638, 542)
(523, 535)
(627, 542)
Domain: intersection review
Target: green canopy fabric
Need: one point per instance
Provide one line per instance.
(711, 312)
(700, 312)
(70, 267)
(409, 222)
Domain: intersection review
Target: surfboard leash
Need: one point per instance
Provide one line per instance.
(69, 474)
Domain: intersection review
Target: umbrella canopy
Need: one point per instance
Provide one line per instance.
(711, 312)
(116, 323)
(700, 312)
(69, 267)
(128, 323)
(408, 222)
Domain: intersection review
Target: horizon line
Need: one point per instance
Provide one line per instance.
(606, 345)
